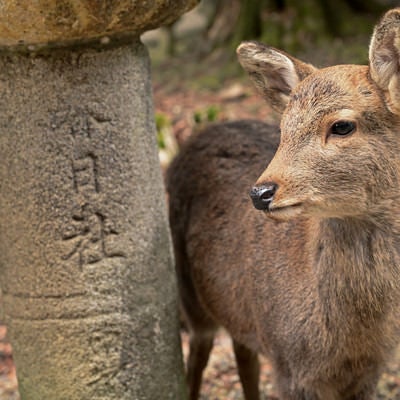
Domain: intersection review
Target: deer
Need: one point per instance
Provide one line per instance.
(305, 271)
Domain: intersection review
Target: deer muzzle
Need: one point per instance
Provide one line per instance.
(263, 195)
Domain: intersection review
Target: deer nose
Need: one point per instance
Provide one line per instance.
(262, 196)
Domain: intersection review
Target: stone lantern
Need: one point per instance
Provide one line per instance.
(87, 278)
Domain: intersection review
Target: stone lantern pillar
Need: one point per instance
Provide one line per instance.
(86, 269)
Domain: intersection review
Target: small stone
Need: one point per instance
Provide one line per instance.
(105, 40)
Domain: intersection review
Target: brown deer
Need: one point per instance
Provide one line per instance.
(316, 285)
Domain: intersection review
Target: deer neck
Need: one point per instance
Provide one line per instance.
(357, 265)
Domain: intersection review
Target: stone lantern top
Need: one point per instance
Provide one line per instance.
(28, 25)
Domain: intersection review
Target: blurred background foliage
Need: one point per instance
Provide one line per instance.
(291, 24)
(196, 76)
(296, 26)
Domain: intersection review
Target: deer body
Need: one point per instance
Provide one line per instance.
(316, 286)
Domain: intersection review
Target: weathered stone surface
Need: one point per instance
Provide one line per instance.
(86, 270)
(28, 24)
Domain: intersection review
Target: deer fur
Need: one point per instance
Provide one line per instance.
(315, 286)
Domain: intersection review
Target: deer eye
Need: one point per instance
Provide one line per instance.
(342, 128)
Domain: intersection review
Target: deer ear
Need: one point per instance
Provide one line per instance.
(384, 58)
(273, 72)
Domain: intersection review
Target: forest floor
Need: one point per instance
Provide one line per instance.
(189, 93)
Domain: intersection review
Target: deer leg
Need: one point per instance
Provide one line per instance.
(199, 351)
(249, 370)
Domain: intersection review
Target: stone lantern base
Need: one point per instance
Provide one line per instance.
(87, 274)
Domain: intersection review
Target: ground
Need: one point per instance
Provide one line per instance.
(188, 93)
(8, 380)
